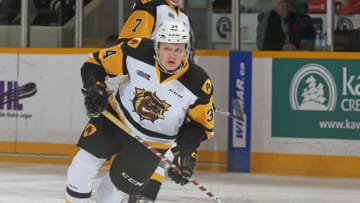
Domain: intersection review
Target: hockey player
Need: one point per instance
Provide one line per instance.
(162, 91)
(146, 17)
(143, 22)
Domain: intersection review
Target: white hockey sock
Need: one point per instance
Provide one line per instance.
(81, 175)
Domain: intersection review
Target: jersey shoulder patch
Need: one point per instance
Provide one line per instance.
(207, 86)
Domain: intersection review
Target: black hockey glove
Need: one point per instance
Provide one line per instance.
(96, 99)
(185, 160)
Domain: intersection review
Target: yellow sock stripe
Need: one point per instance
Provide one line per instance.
(158, 177)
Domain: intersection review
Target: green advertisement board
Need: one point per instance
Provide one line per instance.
(316, 98)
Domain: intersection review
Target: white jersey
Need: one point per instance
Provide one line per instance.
(167, 13)
(152, 104)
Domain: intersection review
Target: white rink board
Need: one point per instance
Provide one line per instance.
(8, 73)
(56, 114)
(58, 96)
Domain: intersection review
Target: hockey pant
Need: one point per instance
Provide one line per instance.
(129, 171)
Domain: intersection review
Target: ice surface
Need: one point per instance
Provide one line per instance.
(42, 183)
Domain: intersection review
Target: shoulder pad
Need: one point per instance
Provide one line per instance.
(197, 81)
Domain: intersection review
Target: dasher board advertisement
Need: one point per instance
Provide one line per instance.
(316, 98)
(239, 131)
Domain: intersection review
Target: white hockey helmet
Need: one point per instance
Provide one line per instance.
(172, 32)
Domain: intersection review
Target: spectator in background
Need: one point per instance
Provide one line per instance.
(283, 29)
(54, 12)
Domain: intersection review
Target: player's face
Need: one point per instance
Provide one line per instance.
(171, 54)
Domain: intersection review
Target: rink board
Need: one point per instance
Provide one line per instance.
(45, 126)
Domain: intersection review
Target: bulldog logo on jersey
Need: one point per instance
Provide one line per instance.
(148, 106)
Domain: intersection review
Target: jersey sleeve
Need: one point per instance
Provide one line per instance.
(103, 63)
(203, 114)
(201, 122)
(140, 23)
(110, 59)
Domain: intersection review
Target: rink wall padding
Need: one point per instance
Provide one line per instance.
(62, 154)
(45, 123)
(306, 165)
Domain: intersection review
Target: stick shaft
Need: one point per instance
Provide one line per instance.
(230, 115)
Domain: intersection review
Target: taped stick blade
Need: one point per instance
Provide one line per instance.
(237, 110)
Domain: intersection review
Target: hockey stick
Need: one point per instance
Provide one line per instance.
(121, 125)
(238, 113)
